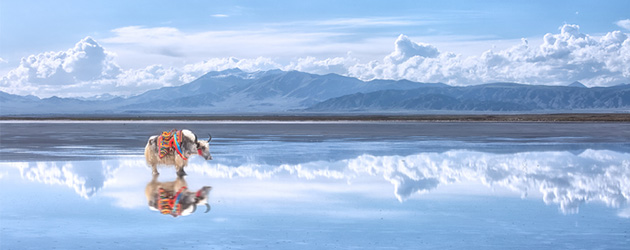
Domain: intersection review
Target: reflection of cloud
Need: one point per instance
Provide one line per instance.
(563, 178)
(127, 199)
(309, 170)
(86, 179)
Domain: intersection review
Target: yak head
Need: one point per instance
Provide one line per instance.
(203, 148)
(191, 200)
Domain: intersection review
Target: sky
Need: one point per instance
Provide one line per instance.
(89, 48)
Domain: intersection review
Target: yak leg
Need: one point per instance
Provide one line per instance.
(149, 192)
(154, 180)
(155, 172)
(180, 171)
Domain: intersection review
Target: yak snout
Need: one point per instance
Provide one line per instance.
(203, 148)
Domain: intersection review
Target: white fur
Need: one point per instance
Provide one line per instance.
(189, 134)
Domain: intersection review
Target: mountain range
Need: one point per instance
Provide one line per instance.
(237, 92)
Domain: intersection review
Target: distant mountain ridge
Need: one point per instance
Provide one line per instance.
(275, 91)
(486, 97)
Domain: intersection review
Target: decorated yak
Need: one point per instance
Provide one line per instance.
(173, 148)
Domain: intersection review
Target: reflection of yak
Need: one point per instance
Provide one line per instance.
(174, 148)
(174, 198)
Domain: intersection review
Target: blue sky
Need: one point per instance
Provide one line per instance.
(141, 45)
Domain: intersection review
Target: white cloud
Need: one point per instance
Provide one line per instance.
(624, 24)
(337, 65)
(561, 58)
(89, 69)
(406, 49)
(220, 15)
(218, 64)
(86, 61)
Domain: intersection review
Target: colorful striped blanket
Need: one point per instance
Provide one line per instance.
(166, 141)
(169, 203)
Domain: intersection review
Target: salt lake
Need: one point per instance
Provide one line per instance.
(322, 185)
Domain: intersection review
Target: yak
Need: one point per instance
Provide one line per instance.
(174, 148)
(174, 198)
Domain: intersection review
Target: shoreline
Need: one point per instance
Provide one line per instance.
(560, 117)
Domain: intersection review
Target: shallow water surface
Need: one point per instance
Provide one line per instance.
(304, 185)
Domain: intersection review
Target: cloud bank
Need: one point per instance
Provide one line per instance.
(562, 58)
(87, 61)
(89, 69)
(84, 70)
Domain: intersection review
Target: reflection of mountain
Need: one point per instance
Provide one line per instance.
(563, 178)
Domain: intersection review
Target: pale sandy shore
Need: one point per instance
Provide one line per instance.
(564, 117)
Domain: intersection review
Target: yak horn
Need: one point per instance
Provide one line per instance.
(207, 208)
(209, 137)
(194, 208)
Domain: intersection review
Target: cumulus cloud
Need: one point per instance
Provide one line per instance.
(86, 61)
(89, 69)
(561, 58)
(84, 70)
(219, 64)
(406, 49)
(337, 65)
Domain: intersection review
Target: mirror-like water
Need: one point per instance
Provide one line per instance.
(71, 185)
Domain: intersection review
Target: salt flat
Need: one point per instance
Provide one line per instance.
(371, 185)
